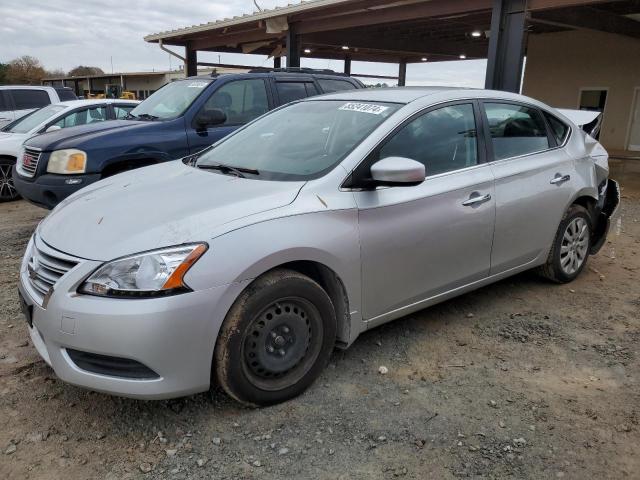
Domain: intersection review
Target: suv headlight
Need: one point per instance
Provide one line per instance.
(67, 162)
(156, 273)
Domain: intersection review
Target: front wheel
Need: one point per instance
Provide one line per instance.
(571, 246)
(8, 191)
(276, 339)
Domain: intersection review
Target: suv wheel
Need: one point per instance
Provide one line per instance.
(276, 339)
(8, 191)
(571, 246)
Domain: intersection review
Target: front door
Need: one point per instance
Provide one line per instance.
(533, 184)
(240, 100)
(420, 241)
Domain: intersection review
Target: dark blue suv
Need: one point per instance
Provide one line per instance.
(180, 119)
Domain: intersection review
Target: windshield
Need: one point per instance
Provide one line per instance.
(301, 141)
(32, 120)
(170, 101)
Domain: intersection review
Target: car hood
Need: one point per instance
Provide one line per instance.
(158, 206)
(75, 137)
(11, 138)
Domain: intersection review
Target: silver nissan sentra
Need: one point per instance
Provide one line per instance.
(247, 263)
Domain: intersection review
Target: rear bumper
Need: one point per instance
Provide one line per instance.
(48, 190)
(609, 208)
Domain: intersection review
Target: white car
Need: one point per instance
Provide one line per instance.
(18, 100)
(47, 119)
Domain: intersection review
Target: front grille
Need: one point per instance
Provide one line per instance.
(29, 161)
(111, 366)
(46, 266)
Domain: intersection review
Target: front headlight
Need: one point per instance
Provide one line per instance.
(155, 273)
(67, 162)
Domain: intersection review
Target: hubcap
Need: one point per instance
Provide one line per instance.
(282, 343)
(575, 245)
(7, 190)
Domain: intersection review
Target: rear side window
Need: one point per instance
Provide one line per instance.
(24, 99)
(515, 130)
(560, 129)
(4, 104)
(291, 91)
(332, 85)
(66, 94)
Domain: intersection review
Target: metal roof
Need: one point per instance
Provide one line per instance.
(303, 6)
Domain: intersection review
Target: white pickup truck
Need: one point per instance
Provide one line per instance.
(17, 100)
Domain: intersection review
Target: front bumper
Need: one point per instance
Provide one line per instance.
(48, 190)
(174, 337)
(607, 209)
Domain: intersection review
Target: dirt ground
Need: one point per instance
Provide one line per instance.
(522, 379)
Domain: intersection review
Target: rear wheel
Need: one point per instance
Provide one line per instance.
(276, 339)
(8, 191)
(571, 246)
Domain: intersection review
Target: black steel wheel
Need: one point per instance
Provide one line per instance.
(276, 339)
(8, 191)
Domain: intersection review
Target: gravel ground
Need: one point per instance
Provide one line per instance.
(521, 379)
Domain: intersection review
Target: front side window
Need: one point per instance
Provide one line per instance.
(301, 141)
(25, 99)
(170, 101)
(122, 111)
(515, 130)
(443, 140)
(32, 120)
(240, 100)
(83, 117)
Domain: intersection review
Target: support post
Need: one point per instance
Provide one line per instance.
(277, 62)
(191, 63)
(506, 45)
(347, 65)
(293, 47)
(402, 73)
(76, 87)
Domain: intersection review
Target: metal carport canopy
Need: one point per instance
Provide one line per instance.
(404, 31)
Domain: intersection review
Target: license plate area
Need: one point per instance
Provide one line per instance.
(27, 310)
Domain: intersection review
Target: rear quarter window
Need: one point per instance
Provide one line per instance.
(24, 99)
(330, 85)
(559, 129)
(65, 94)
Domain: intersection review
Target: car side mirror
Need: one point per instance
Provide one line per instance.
(53, 128)
(398, 171)
(210, 118)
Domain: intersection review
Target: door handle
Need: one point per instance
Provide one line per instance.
(476, 199)
(560, 179)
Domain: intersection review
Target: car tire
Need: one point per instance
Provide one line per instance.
(276, 339)
(8, 191)
(571, 245)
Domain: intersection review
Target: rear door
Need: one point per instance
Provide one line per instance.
(534, 183)
(6, 109)
(240, 100)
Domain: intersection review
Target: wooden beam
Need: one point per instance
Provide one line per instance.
(402, 13)
(588, 18)
(535, 5)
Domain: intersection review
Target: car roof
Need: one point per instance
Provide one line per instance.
(97, 101)
(407, 95)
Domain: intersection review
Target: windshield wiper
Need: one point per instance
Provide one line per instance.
(239, 171)
(147, 116)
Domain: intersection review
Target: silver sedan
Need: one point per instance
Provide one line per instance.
(249, 262)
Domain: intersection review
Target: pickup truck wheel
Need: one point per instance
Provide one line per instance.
(570, 249)
(8, 191)
(276, 339)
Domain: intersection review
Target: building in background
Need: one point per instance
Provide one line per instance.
(142, 84)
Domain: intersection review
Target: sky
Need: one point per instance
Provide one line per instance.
(63, 34)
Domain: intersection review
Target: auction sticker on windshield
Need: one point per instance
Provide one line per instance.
(197, 85)
(364, 108)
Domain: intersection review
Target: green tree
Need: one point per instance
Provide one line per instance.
(83, 71)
